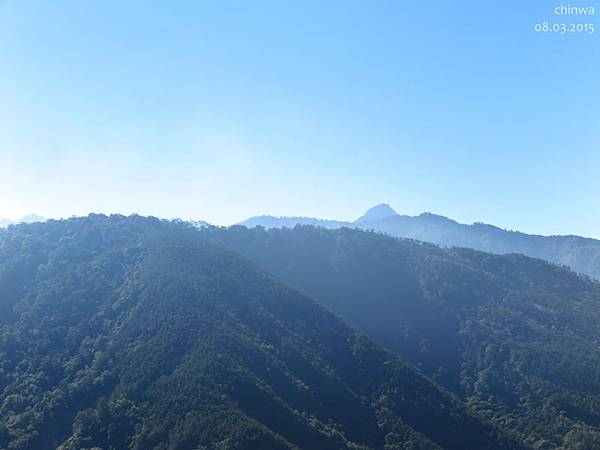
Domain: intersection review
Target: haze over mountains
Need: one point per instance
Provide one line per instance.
(131, 332)
(135, 333)
(516, 338)
(579, 253)
(31, 218)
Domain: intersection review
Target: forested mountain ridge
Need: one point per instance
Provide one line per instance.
(516, 338)
(579, 253)
(136, 333)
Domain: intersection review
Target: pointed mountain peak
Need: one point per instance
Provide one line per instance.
(378, 212)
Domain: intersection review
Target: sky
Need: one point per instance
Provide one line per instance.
(221, 110)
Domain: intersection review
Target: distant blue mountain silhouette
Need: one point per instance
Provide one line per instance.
(31, 218)
(377, 212)
(579, 253)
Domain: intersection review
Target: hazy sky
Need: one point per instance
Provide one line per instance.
(222, 110)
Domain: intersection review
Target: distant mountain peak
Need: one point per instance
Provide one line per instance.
(378, 212)
(31, 218)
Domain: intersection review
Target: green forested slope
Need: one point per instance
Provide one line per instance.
(122, 333)
(517, 338)
(579, 253)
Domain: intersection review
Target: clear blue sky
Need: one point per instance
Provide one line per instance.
(221, 110)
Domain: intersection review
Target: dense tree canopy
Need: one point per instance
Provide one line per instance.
(579, 253)
(136, 333)
(516, 338)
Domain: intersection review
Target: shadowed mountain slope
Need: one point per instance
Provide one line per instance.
(134, 333)
(517, 338)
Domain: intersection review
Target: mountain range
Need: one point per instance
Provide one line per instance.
(139, 333)
(579, 253)
(515, 337)
(132, 333)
